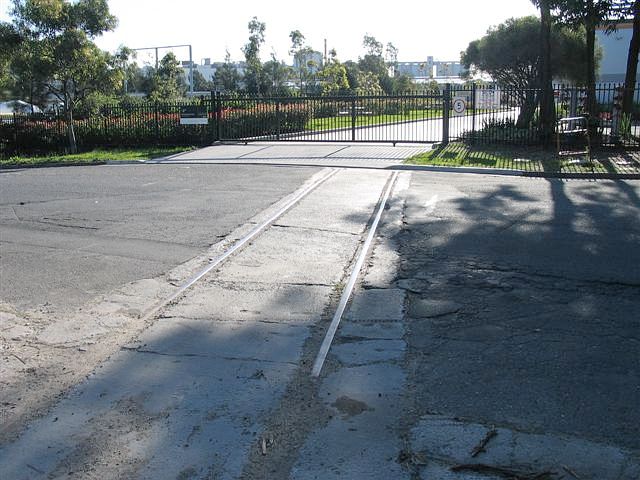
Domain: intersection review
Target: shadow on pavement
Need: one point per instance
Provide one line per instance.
(525, 307)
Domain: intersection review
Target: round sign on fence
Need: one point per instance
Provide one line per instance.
(459, 105)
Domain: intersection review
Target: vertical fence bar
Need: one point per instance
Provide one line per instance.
(353, 119)
(156, 121)
(218, 116)
(278, 119)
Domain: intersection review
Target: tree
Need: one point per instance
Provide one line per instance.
(138, 79)
(57, 52)
(510, 53)
(333, 76)
(631, 9)
(227, 77)
(374, 63)
(391, 56)
(201, 84)
(403, 83)
(169, 82)
(368, 84)
(372, 45)
(9, 43)
(253, 74)
(276, 74)
(587, 14)
(547, 107)
(353, 71)
(298, 51)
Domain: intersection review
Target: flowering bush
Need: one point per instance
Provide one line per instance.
(147, 125)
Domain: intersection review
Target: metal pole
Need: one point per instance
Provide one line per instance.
(190, 71)
(446, 106)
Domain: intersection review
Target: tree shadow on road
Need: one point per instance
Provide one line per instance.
(544, 292)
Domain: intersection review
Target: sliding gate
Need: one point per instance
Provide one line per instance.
(439, 116)
(389, 119)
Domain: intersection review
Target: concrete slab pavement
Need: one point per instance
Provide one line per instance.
(301, 153)
(190, 396)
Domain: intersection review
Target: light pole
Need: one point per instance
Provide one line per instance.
(174, 46)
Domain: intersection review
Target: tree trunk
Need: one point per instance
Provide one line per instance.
(547, 107)
(632, 62)
(73, 147)
(592, 102)
(527, 109)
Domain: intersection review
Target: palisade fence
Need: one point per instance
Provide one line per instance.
(470, 113)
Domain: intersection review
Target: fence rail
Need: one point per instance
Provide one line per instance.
(471, 113)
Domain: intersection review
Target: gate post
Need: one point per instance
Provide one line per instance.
(353, 119)
(446, 107)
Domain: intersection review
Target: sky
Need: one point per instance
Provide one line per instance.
(418, 28)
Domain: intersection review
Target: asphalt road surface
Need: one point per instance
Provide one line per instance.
(69, 234)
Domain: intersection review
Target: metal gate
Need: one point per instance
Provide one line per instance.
(367, 118)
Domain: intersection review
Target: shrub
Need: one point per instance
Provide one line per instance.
(146, 124)
(500, 131)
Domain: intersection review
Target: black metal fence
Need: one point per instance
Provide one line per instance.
(503, 115)
(471, 113)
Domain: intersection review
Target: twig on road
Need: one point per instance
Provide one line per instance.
(571, 472)
(504, 472)
(483, 443)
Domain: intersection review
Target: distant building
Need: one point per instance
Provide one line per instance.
(615, 49)
(417, 70)
(431, 69)
(208, 68)
(449, 69)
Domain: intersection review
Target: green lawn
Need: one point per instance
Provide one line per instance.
(93, 157)
(344, 121)
(528, 159)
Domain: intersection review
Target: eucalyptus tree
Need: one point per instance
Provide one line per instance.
(253, 74)
(227, 77)
(57, 52)
(333, 76)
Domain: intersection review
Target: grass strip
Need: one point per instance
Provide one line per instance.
(93, 157)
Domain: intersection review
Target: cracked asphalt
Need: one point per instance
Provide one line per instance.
(524, 303)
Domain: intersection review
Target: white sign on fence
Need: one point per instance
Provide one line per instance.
(487, 99)
(459, 105)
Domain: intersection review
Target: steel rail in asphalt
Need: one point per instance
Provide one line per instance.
(238, 245)
(346, 294)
